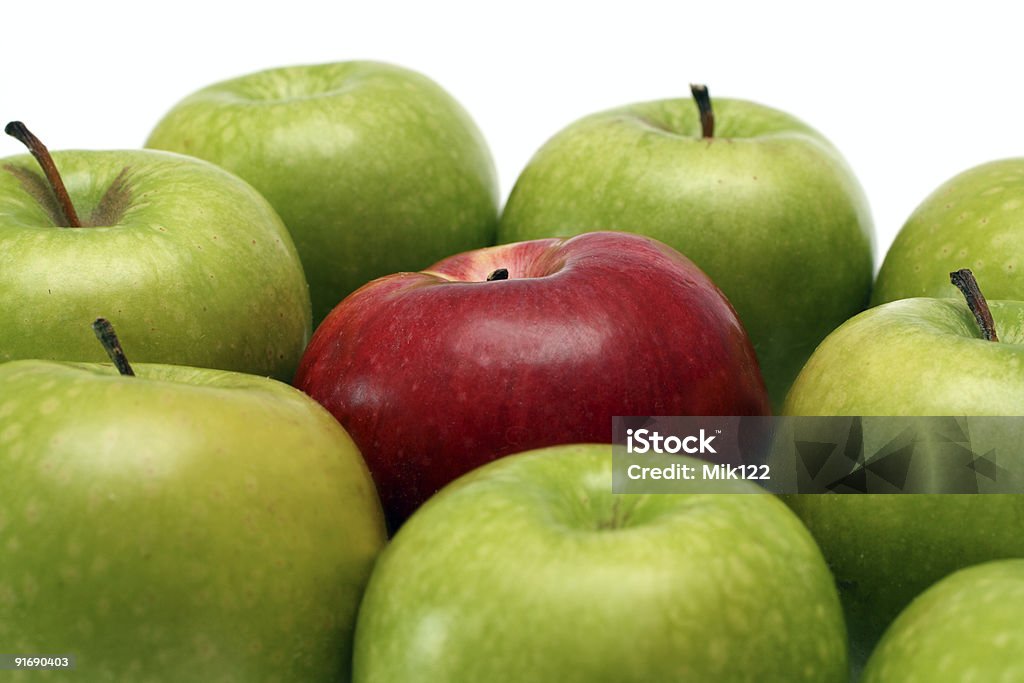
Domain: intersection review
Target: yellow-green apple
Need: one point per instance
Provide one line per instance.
(762, 202)
(533, 344)
(179, 524)
(530, 569)
(194, 265)
(913, 357)
(967, 627)
(374, 168)
(976, 219)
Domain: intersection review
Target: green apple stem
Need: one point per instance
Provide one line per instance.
(965, 282)
(707, 115)
(105, 333)
(499, 274)
(18, 131)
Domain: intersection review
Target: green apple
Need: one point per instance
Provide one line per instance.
(530, 569)
(916, 357)
(967, 627)
(374, 168)
(922, 357)
(182, 524)
(976, 220)
(763, 204)
(193, 264)
(885, 549)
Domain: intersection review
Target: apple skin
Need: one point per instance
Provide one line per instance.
(967, 627)
(974, 221)
(374, 168)
(885, 549)
(916, 356)
(188, 261)
(438, 372)
(181, 520)
(767, 208)
(920, 357)
(530, 569)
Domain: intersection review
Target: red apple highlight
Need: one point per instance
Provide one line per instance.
(436, 373)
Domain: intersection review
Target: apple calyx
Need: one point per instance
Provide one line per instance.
(18, 131)
(707, 115)
(968, 286)
(105, 333)
(499, 274)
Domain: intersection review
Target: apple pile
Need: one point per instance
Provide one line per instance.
(182, 513)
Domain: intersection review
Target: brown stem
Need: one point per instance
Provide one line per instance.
(499, 274)
(105, 333)
(965, 282)
(18, 131)
(707, 115)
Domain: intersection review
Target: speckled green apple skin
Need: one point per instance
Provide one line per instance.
(976, 221)
(967, 627)
(190, 263)
(375, 169)
(182, 525)
(768, 208)
(911, 357)
(530, 569)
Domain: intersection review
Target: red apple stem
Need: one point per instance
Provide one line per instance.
(105, 333)
(499, 274)
(18, 131)
(968, 285)
(707, 114)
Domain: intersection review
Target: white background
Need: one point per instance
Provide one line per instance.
(910, 95)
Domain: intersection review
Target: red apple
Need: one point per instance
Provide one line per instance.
(438, 372)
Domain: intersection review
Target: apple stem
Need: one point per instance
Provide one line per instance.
(18, 131)
(105, 333)
(499, 274)
(965, 282)
(707, 115)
